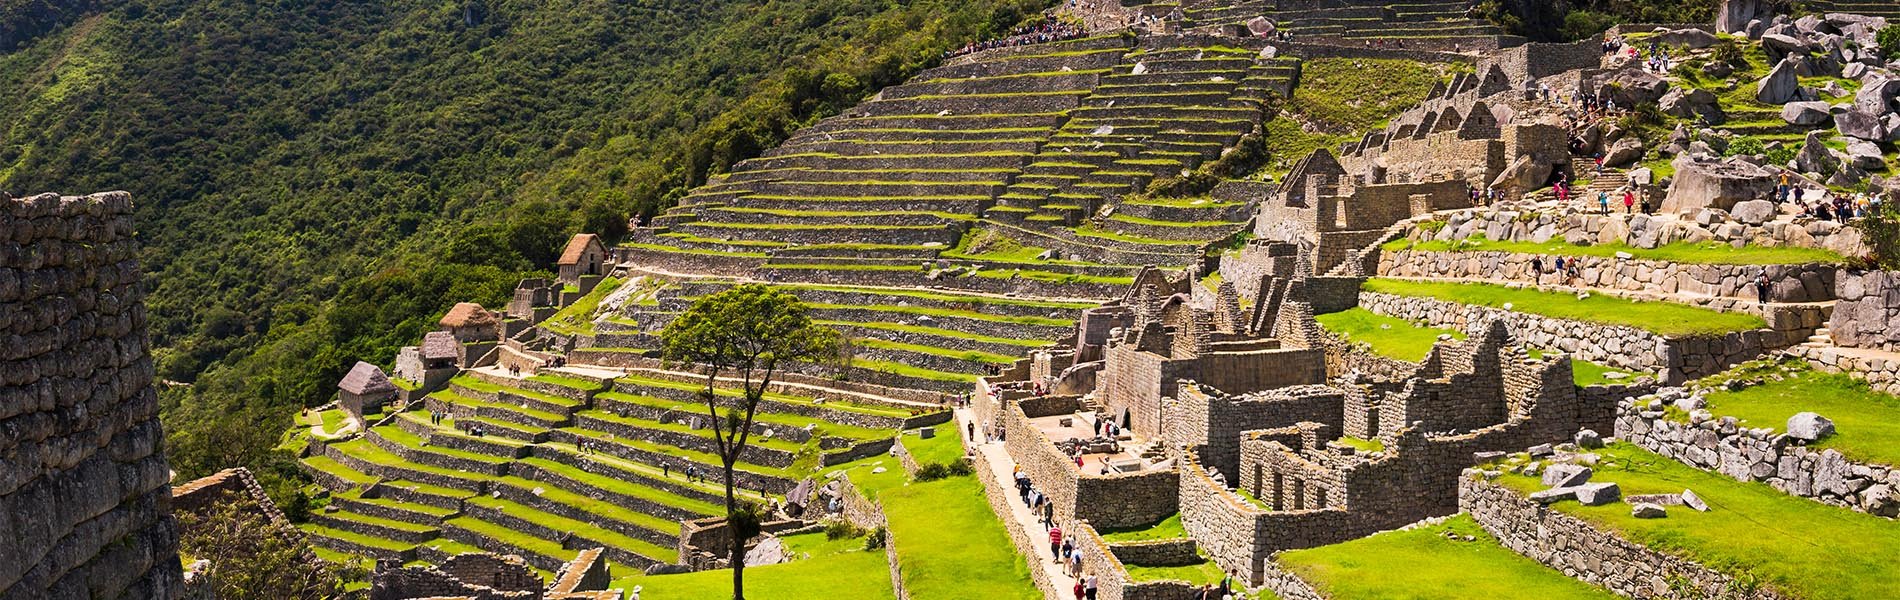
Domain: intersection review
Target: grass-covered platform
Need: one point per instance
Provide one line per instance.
(1426, 562)
(1667, 319)
(1795, 546)
(825, 568)
(1709, 253)
(1393, 337)
(1866, 422)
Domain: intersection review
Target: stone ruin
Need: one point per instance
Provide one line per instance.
(487, 576)
(84, 501)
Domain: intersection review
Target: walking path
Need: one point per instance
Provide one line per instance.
(1019, 521)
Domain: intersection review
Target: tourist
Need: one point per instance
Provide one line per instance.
(1206, 592)
(1068, 548)
(1089, 587)
(1537, 267)
(1078, 589)
(1055, 542)
(1075, 561)
(1762, 286)
(1603, 200)
(1629, 202)
(1227, 583)
(1049, 514)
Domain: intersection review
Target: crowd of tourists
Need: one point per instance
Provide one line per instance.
(1050, 29)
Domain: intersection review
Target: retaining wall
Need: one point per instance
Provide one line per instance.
(1593, 555)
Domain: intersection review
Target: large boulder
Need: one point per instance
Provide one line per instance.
(1816, 157)
(1735, 15)
(1780, 46)
(1693, 38)
(1806, 113)
(1702, 181)
(1864, 154)
(1781, 84)
(1809, 427)
(1626, 151)
(1753, 212)
(1524, 174)
(1628, 86)
(1689, 102)
(1876, 96)
(1856, 124)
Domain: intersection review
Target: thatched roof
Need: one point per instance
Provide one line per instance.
(438, 345)
(468, 314)
(365, 379)
(576, 247)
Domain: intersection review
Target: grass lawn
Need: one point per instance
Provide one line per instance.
(884, 366)
(1167, 529)
(578, 318)
(950, 545)
(1197, 574)
(1796, 546)
(1422, 563)
(1391, 337)
(836, 569)
(1663, 318)
(1866, 422)
(946, 447)
(1363, 445)
(1679, 252)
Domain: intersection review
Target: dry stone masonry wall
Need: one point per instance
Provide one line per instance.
(84, 501)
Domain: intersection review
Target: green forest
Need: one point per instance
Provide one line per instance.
(318, 181)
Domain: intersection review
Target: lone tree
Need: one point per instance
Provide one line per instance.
(744, 333)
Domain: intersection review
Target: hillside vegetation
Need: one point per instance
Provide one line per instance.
(317, 183)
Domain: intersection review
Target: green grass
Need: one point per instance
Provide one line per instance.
(1754, 532)
(660, 248)
(950, 312)
(955, 298)
(1363, 445)
(1866, 422)
(1679, 252)
(584, 385)
(951, 546)
(357, 538)
(1053, 277)
(1166, 529)
(823, 427)
(694, 386)
(1204, 572)
(913, 371)
(1663, 318)
(1391, 337)
(835, 569)
(1423, 564)
(920, 329)
(1089, 230)
(578, 318)
(946, 447)
(968, 355)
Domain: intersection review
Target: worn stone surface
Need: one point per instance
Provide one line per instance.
(84, 500)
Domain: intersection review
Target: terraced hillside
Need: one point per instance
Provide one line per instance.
(545, 465)
(905, 338)
(1026, 146)
(1353, 22)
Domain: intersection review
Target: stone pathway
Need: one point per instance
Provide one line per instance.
(1002, 466)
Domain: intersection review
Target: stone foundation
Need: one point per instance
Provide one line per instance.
(1595, 556)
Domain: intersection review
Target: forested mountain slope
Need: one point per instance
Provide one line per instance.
(318, 180)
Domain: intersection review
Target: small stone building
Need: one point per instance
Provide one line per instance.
(365, 387)
(469, 322)
(583, 257)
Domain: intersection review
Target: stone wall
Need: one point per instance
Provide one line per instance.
(1790, 283)
(1157, 553)
(1760, 454)
(1575, 224)
(1868, 313)
(476, 576)
(1113, 500)
(1536, 61)
(84, 491)
(1589, 554)
(1000, 494)
(1672, 359)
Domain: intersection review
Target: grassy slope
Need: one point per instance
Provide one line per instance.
(1679, 252)
(1423, 564)
(834, 569)
(1340, 98)
(578, 318)
(1393, 337)
(1663, 318)
(1800, 547)
(1867, 423)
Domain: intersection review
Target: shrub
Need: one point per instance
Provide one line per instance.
(1882, 231)
(935, 471)
(842, 530)
(875, 540)
(1780, 155)
(1746, 146)
(1889, 39)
